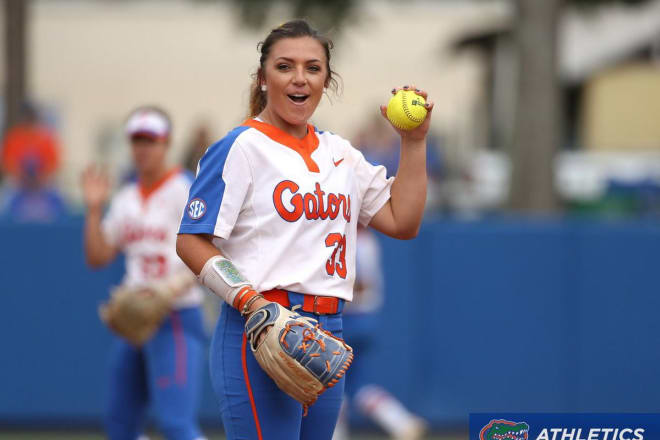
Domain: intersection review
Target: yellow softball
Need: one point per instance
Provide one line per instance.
(406, 110)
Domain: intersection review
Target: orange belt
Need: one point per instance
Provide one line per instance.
(319, 305)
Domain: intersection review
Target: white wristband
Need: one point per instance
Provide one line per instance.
(222, 277)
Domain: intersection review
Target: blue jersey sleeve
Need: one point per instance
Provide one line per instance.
(216, 196)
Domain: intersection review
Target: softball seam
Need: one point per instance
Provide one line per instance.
(404, 101)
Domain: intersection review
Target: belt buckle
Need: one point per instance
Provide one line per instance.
(315, 308)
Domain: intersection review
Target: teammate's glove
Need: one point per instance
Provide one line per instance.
(136, 313)
(303, 359)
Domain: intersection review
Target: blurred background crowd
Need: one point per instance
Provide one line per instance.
(544, 109)
(547, 107)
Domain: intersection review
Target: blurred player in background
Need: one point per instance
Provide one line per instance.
(141, 222)
(273, 215)
(361, 325)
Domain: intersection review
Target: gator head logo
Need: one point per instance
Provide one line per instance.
(504, 430)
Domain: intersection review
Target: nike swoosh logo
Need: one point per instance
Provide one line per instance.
(338, 161)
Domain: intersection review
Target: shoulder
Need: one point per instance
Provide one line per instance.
(126, 195)
(337, 143)
(126, 191)
(182, 179)
(186, 175)
(344, 147)
(330, 137)
(218, 152)
(182, 176)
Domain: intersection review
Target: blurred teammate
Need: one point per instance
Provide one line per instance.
(142, 222)
(361, 324)
(274, 209)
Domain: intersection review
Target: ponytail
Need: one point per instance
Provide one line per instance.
(257, 97)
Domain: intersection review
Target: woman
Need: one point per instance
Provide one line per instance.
(274, 209)
(142, 222)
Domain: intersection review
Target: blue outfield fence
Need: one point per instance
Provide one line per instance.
(488, 316)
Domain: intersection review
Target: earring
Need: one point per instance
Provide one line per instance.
(325, 90)
(263, 87)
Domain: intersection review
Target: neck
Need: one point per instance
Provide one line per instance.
(298, 131)
(148, 179)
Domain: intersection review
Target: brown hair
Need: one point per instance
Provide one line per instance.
(290, 29)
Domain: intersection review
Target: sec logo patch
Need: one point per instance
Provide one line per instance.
(196, 209)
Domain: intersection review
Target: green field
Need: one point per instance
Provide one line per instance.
(63, 435)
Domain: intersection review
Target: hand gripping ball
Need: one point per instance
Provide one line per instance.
(406, 110)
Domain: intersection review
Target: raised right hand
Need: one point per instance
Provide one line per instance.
(96, 187)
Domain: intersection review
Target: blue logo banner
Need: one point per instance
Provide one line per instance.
(555, 426)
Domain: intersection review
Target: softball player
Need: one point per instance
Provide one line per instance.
(141, 222)
(277, 202)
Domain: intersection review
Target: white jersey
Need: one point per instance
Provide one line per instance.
(143, 225)
(286, 210)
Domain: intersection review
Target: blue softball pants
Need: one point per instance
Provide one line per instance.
(251, 405)
(164, 373)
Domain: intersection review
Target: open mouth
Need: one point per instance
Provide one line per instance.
(298, 98)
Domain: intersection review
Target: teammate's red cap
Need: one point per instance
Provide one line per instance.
(148, 123)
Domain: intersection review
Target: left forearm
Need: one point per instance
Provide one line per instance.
(408, 193)
(401, 216)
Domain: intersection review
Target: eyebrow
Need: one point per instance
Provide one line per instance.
(313, 60)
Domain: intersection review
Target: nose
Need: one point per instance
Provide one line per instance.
(300, 79)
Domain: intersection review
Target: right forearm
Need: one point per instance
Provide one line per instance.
(97, 251)
(196, 251)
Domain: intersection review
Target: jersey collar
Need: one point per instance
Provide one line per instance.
(304, 147)
(146, 192)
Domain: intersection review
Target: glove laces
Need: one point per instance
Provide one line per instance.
(310, 334)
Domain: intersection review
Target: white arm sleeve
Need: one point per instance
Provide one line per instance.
(223, 181)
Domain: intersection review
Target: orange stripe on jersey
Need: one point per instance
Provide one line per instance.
(147, 192)
(305, 146)
(249, 387)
